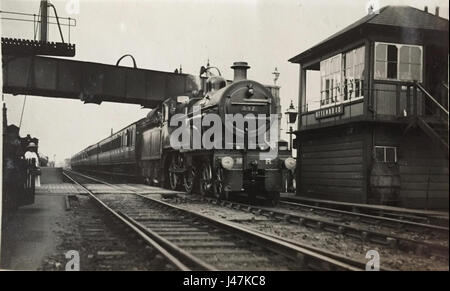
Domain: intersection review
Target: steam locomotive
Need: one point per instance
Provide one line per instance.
(215, 159)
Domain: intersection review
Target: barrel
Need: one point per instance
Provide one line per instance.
(384, 184)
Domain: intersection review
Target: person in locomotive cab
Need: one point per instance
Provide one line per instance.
(30, 154)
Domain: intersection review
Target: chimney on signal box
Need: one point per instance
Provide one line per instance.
(437, 11)
(240, 70)
(426, 9)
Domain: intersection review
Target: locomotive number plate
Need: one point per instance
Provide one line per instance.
(249, 108)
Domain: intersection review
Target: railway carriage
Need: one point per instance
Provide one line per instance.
(115, 154)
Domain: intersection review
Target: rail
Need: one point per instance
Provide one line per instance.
(311, 259)
(134, 227)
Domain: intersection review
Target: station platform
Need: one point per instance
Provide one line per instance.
(34, 232)
(294, 198)
(60, 188)
(31, 233)
(51, 175)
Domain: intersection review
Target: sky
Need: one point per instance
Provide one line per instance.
(162, 35)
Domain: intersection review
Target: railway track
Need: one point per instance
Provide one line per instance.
(191, 241)
(400, 216)
(366, 218)
(104, 244)
(351, 230)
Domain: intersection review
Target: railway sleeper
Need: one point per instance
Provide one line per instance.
(226, 251)
(237, 259)
(202, 244)
(192, 238)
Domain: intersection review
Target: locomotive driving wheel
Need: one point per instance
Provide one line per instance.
(174, 177)
(219, 187)
(190, 178)
(206, 179)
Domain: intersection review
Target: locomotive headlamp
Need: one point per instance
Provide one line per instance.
(227, 163)
(290, 163)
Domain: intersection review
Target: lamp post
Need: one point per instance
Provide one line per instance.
(291, 114)
(276, 75)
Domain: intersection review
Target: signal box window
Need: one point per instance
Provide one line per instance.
(398, 62)
(354, 74)
(386, 154)
(342, 77)
(330, 71)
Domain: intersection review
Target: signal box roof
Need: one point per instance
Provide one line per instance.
(389, 16)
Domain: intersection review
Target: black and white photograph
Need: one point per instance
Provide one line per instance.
(246, 136)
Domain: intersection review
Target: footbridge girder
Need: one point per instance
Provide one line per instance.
(92, 82)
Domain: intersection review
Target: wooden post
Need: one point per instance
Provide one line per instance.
(301, 103)
(368, 69)
(302, 93)
(44, 20)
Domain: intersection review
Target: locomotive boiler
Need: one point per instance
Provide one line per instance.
(216, 142)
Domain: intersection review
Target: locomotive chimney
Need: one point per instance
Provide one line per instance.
(240, 70)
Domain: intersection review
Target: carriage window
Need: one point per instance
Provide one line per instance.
(386, 154)
(133, 141)
(131, 137)
(398, 62)
(128, 135)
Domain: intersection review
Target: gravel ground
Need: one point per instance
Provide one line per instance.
(101, 244)
(434, 237)
(336, 243)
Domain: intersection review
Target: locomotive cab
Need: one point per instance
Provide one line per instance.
(215, 83)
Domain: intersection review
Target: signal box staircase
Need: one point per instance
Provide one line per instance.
(436, 126)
